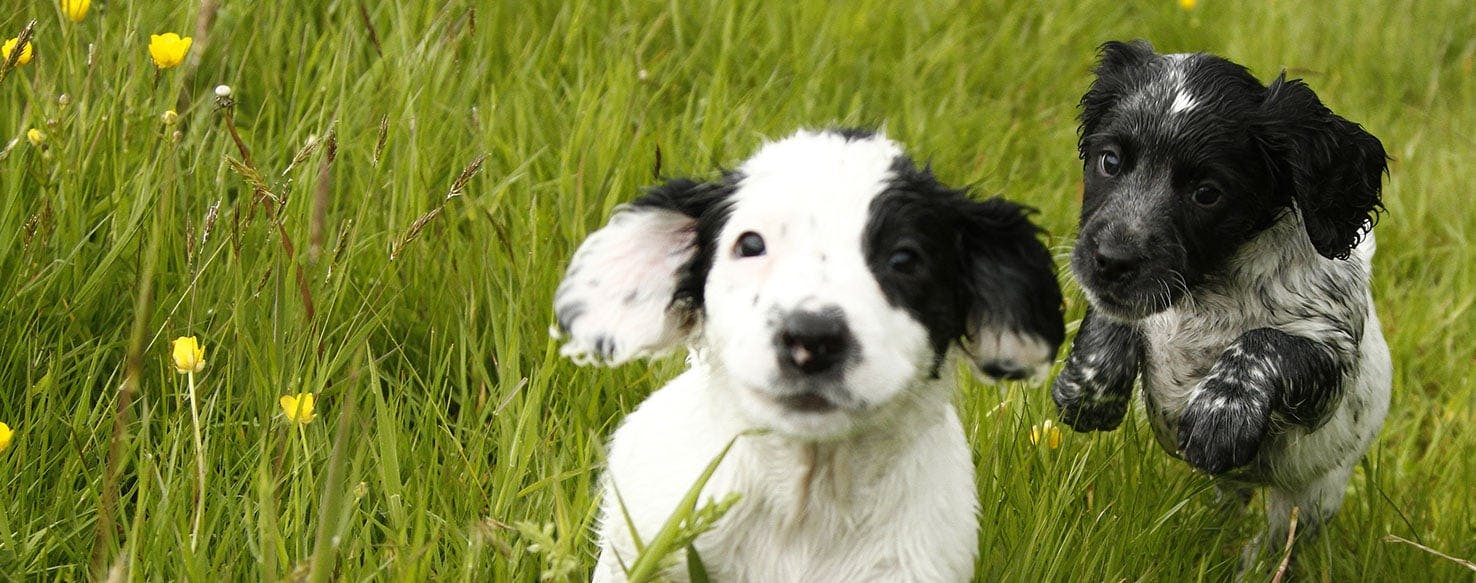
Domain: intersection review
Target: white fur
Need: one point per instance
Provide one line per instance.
(640, 241)
(809, 197)
(893, 504)
(881, 487)
(1183, 102)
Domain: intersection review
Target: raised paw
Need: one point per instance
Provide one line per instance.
(1224, 425)
(1087, 408)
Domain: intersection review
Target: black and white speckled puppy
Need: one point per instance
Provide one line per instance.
(1224, 248)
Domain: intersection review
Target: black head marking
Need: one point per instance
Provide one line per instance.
(1330, 166)
(957, 264)
(707, 202)
(1188, 158)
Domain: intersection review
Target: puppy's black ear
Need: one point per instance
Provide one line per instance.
(1330, 167)
(634, 287)
(1115, 62)
(1015, 323)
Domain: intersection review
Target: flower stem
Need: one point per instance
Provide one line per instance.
(199, 465)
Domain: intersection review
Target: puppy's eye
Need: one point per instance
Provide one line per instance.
(749, 244)
(1109, 163)
(903, 261)
(1206, 196)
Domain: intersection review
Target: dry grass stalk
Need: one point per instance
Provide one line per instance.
(321, 188)
(247, 172)
(1286, 552)
(107, 528)
(414, 231)
(339, 248)
(458, 187)
(383, 135)
(212, 214)
(369, 25)
(1457, 560)
(20, 47)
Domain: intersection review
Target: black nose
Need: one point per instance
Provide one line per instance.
(813, 342)
(1115, 261)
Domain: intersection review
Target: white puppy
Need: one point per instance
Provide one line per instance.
(821, 288)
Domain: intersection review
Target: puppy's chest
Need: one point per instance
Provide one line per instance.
(1181, 347)
(818, 523)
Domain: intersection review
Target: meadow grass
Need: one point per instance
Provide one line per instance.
(451, 440)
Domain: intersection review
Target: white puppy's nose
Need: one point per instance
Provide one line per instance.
(812, 342)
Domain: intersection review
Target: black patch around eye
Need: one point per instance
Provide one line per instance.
(912, 225)
(904, 260)
(1206, 196)
(708, 202)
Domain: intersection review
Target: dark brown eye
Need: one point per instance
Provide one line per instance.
(1206, 196)
(1109, 163)
(749, 244)
(903, 260)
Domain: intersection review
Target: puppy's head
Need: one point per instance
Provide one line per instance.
(1188, 157)
(822, 280)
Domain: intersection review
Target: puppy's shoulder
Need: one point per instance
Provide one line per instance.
(678, 429)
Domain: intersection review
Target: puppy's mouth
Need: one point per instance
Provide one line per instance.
(808, 402)
(1132, 298)
(1134, 307)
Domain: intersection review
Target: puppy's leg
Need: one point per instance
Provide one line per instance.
(1093, 389)
(1232, 495)
(1264, 371)
(1315, 504)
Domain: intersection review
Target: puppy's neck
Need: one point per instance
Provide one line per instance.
(1280, 252)
(804, 476)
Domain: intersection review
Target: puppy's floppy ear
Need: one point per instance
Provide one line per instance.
(1014, 323)
(634, 287)
(1330, 167)
(1114, 62)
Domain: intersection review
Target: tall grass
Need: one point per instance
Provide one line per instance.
(445, 416)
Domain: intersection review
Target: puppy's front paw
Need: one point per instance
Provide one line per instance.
(1224, 425)
(1085, 407)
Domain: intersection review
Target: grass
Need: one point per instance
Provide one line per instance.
(451, 440)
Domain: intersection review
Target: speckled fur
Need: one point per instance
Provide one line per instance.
(1245, 312)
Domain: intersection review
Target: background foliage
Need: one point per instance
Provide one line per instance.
(445, 416)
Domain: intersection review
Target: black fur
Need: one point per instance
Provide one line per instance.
(1328, 165)
(1144, 241)
(852, 134)
(974, 260)
(1093, 389)
(1265, 372)
(1217, 216)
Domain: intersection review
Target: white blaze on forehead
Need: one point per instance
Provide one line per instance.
(809, 196)
(1183, 101)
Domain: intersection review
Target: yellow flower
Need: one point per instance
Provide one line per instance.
(1048, 431)
(299, 408)
(1188, 4)
(169, 117)
(5, 435)
(168, 49)
(36, 137)
(25, 55)
(189, 356)
(76, 10)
